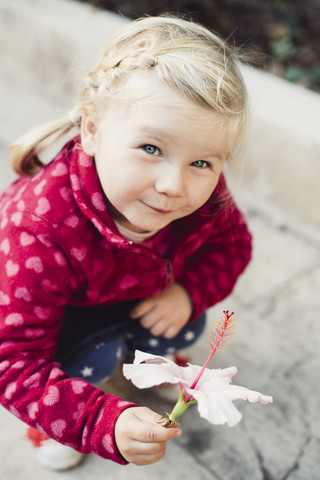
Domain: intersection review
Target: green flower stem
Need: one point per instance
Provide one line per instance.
(179, 408)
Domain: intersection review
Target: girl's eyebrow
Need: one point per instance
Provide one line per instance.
(157, 133)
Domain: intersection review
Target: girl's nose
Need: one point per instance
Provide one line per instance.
(170, 182)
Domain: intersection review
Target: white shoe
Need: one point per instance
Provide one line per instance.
(53, 455)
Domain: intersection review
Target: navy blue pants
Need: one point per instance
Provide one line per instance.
(94, 340)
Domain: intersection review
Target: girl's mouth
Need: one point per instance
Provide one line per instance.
(158, 210)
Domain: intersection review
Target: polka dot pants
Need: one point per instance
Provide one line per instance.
(94, 340)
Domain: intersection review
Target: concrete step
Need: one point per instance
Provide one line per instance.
(283, 158)
(56, 42)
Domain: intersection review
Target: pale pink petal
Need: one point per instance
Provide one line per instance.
(189, 374)
(147, 375)
(171, 373)
(140, 357)
(215, 403)
(215, 378)
(215, 408)
(241, 393)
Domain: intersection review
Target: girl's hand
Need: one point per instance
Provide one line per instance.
(165, 313)
(140, 439)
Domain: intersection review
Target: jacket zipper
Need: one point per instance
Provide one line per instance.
(169, 278)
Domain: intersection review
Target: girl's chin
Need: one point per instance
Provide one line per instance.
(145, 226)
(142, 222)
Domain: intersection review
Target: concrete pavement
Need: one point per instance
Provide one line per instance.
(276, 347)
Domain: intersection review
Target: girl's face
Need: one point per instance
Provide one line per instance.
(157, 161)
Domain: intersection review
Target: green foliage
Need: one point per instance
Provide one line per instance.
(283, 47)
(305, 76)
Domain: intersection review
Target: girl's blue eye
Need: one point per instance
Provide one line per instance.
(150, 149)
(200, 164)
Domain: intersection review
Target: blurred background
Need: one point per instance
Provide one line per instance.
(280, 36)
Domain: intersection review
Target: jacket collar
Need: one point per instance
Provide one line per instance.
(89, 195)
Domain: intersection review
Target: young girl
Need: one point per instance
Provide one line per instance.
(123, 240)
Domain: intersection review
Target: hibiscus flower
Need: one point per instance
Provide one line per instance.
(211, 389)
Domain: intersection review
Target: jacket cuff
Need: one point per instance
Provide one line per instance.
(103, 440)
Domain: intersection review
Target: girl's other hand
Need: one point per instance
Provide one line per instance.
(140, 439)
(165, 313)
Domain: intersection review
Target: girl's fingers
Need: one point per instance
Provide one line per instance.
(159, 327)
(148, 320)
(145, 448)
(139, 436)
(142, 308)
(151, 318)
(149, 433)
(171, 332)
(145, 459)
(144, 453)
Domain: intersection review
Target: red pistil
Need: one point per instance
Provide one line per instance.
(222, 333)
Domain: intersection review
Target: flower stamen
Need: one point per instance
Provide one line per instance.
(220, 336)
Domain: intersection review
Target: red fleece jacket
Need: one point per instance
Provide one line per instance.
(58, 246)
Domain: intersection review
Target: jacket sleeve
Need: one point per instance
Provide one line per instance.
(35, 284)
(214, 267)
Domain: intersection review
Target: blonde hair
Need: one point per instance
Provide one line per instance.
(186, 56)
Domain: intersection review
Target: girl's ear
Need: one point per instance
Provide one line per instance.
(88, 134)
